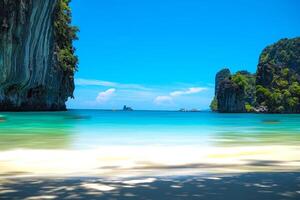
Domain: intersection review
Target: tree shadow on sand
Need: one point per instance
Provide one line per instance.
(251, 186)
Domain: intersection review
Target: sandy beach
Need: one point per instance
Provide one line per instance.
(130, 161)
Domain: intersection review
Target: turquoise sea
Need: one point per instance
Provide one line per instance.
(94, 154)
(146, 143)
(87, 129)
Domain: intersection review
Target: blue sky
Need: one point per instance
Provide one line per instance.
(164, 54)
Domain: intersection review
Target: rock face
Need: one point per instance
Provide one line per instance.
(230, 97)
(221, 76)
(278, 77)
(31, 77)
(283, 54)
(275, 88)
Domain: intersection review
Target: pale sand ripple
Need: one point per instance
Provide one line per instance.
(127, 161)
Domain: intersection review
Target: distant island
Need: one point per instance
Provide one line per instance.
(274, 88)
(126, 108)
(187, 110)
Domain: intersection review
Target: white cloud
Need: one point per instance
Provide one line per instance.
(92, 82)
(169, 99)
(192, 90)
(106, 95)
(143, 96)
(163, 100)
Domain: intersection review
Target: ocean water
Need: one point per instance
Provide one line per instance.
(99, 142)
(87, 129)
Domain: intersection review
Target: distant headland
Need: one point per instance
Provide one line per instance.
(274, 88)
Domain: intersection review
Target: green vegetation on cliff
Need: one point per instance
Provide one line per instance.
(234, 92)
(246, 81)
(214, 105)
(65, 34)
(283, 95)
(278, 77)
(275, 88)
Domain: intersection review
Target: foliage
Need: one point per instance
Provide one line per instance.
(284, 94)
(278, 77)
(284, 51)
(246, 81)
(276, 85)
(240, 80)
(243, 83)
(249, 108)
(65, 34)
(214, 105)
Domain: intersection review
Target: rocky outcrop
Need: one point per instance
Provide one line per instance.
(230, 97)
(275, 88)
(31, 77)
(221, 76)
(283, 54)
(278, 77)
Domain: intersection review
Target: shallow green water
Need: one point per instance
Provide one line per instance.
(87, 129)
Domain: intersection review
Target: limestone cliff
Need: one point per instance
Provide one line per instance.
(36, 68)
(232, 91)
(230, 97)
(220, 77)
(275, 88)
(278, 77)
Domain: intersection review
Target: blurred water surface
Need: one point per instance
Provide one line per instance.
(146, 143)
(88, 129)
